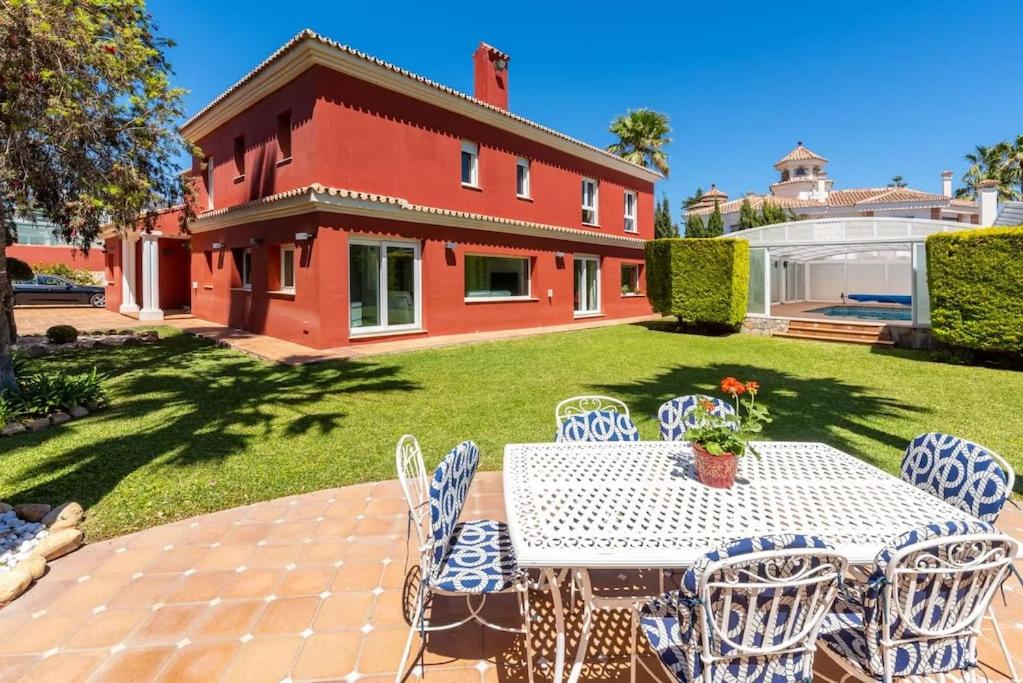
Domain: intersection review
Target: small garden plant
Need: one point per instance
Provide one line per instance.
(721, 433)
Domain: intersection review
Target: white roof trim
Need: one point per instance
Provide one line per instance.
(308, 49)
(337, 200)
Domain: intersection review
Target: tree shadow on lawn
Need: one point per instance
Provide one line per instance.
(822, 409)
(217, 401)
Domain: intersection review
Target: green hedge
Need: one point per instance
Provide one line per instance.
(975, 278)
(702, 281)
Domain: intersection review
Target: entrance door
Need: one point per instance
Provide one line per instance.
(587, 285)
(383, 286)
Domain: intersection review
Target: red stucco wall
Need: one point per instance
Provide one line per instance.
(38, 253)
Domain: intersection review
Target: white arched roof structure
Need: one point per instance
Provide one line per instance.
(817, 239)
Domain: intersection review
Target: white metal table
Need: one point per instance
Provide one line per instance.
(636, 505)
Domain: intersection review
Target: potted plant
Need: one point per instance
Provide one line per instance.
(719, 439)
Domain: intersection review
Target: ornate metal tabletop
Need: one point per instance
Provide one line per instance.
(639, 504)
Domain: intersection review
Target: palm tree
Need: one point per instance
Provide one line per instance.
(642, 135)
(987, 162)
(1014, 164)
(897, 181)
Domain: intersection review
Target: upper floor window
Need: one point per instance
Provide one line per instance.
(785, 175)
(589, 201)
(239, 156)
(630, 211)
(288, 268)
(522, 178)
(801, 171)
(209, 182)
(284, 135)
(470, 164)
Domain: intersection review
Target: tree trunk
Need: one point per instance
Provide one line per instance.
(7, 330)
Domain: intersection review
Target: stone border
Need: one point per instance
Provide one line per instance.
(63, 537)
(37, 345)
(37, 424)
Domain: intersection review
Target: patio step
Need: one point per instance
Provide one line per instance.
(849, 333)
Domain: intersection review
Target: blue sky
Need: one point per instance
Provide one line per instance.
(879, 88)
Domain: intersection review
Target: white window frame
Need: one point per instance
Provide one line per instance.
(473, 149)
(528, 296)
(584, 313)
(631, 216)
(209, 183)
(288, 249)
(527, 191)
(246, 269)
(384, 328)
(635, 266)
(596, 201)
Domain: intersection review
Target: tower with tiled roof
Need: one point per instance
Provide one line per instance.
(803, 174)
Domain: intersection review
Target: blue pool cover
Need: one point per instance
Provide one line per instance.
(902, 299)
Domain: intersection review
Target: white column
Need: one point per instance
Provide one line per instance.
(128, 300)
(150, 279)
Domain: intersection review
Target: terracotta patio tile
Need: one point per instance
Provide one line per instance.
(167, 624)
(39, 635)
(207, 532)
(85, 595)
(274, 556)
(361, 551)
(328, 655)
(347, 508)
(343, 612)
(388, 489)
(135, 665)
(230, 619)
(386, 507)
(78, 564)
(321, 552)
(371, 526)
(388, 610)
(201, 586)
(381, 651)
(267, 512)
(66, 667)
(334, 528)
(225, 557)
(263, 659)
(306, 581)
(200, 661)
(305, 510)
(107, 628)
(358, 576)
(129, 562)
(288, 533)
(253, 583)
(356, 491)
(395, 574)
(13, 666)
(177, 560)
(40, 595)
(246, 533)
(146, 591)
(287, 615)
(159, 537)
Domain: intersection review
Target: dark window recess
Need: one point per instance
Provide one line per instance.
(284, 134)
(239, 155)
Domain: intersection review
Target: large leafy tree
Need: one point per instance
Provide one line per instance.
(663, 225)
(989, 162)
(715, 223)
(695, 226)
(88, 124)
(748, 216)
(642, 135)
(1014, 164)
(692, 199)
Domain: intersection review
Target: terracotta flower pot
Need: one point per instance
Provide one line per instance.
(717, 471)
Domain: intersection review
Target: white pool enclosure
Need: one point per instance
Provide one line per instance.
(828, 260)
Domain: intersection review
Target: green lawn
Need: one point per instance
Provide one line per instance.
(195, 428)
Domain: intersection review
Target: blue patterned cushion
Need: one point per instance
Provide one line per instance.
(479, 559)
(854, 628)
(596, 426)
(959, 472)
(669, 621)
(675, 418)
(448, 491)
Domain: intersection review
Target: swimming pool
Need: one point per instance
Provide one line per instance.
(867, 312)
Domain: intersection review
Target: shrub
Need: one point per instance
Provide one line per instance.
(62, 334)
(44, 393)
(18, 270)
(704, 282)
(975, 278)
(77, 275)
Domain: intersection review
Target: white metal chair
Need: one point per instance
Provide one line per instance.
(471, 558)
(749, 611)
(919, 612)
(968, 476)
(594, 418)
(676, 415)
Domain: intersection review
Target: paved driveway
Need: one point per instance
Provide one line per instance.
(37, 319)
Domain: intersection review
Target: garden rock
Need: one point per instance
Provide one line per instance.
(132, 341)
(79, 411)
(13, 428)
(35, 565)
(37, 424)
(14, 584)
(5, 508)
(32, 512)
(59, 417)
(66, 516)
(32, 350)
(59, 543)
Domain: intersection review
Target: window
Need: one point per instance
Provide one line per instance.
(284, 135)
(586, 296)
(470, 163)
(496, 277)
(288, 269)
(522, 178)
(208, 257)
(383, 286)
(589, 201)
(239, 156)
(209, 182)
(630, 211)
(630, 278)
(243, 264)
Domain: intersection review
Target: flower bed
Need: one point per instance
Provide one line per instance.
(31, 535)
(36, 345)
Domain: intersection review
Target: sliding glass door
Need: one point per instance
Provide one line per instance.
(587, 284)
(383, 286)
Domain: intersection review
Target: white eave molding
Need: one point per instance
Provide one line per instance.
(308, 49)
(333, 200)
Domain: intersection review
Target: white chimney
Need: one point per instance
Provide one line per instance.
(988, 202)
(821, 193)
(946, 183)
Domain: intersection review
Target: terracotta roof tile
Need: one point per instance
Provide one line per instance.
(799, 153)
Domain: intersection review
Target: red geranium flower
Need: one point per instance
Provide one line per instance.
(707, 405)
(752, 387)
(730, 385)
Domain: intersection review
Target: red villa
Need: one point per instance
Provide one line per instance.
(343, 199)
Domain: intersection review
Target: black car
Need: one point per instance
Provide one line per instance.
(50, 289)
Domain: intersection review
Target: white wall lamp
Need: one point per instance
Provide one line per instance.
(217, 245)
(450, 246)
(559, 254)
(255, 240)
(303, 236)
